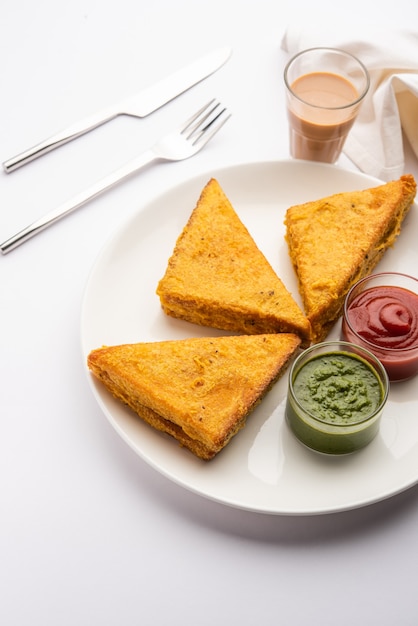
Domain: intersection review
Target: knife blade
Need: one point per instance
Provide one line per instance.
(145, 102)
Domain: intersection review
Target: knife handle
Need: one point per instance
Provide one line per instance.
(66, 135)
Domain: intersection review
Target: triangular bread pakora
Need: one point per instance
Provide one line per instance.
(335, 241)
(198, 390)
(218, 277)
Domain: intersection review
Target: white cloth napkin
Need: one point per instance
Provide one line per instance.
(375, 142)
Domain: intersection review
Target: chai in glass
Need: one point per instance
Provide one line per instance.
(325, 88)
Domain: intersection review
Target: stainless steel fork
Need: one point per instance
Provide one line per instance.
(180, 144)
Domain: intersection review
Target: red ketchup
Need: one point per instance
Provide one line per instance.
(384, 319)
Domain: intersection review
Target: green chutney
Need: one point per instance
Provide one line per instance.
(334, 402)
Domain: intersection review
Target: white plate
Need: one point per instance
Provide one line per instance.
(264, 468)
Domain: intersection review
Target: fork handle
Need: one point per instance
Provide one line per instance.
(77, 201)
(66, 135)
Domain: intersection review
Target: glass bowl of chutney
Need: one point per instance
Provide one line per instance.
(381, 314)
(337, 392)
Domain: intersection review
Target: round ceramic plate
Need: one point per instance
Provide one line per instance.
(264, 468)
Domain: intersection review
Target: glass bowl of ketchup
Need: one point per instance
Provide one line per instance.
(381, 314)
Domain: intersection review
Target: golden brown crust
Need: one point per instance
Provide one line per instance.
(198, 390)
(218, 277)
(335, 241)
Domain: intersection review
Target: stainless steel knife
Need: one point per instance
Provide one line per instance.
(141, 105)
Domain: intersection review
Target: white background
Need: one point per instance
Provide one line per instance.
(90, 535)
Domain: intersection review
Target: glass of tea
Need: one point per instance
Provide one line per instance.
(325, 88)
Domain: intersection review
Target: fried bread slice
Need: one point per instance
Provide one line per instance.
(335, 241)
(218, 277)
(198, 390)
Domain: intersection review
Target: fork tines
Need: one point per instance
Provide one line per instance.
(201, 125)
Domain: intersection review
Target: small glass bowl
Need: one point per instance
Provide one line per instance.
(390, 317)
(336, 395)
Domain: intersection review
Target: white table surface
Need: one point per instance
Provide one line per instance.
(90, 534)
